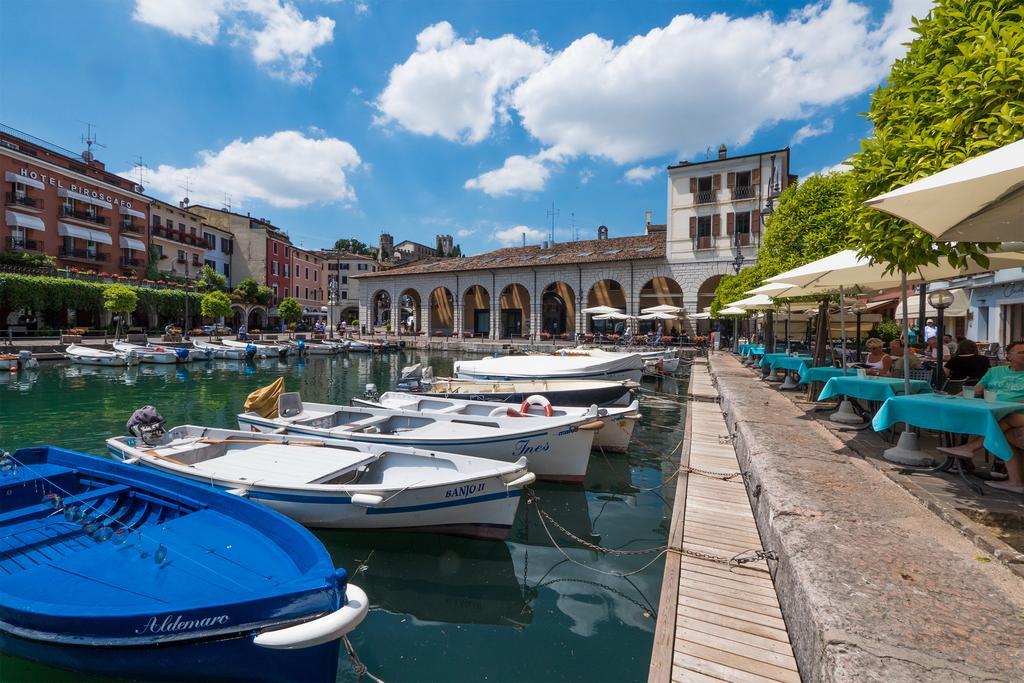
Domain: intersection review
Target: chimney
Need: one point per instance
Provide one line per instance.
(647, 218)
(722, 151)
(602, 232)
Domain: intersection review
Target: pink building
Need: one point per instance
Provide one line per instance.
(308, 282)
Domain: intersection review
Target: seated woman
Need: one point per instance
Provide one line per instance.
(878, 361)
(967, 365)
(1008, 382)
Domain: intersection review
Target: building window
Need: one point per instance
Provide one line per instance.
(287, 252)
(704, 239)
(275, 248)
(159, 250)
(181, 256)
(344, 266)
(296, 291)
(273, 267)
(274, 287)
(344, 294)
(211, 241)
(169, 223)
(227, 270)
(344, 279)
(361, 266)
(287, 270)
(307, 292)
(208, 262)
(181, 226)
(307, 273)
(316, 277)
(227, 246)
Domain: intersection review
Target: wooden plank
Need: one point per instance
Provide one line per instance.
(739, 636)
(741, 663)
(737, 602)
(731, 611)
(730, 591)
(733, 623)
(709, 668)
(687, 676)
(725, 581)
(748, 650)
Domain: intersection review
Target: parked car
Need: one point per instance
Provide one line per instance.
(216, 329)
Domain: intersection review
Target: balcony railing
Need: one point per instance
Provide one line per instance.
(83, 254)
(707, 197)
(132, 226)
(90, 216)
(21, 244)
(744, 192)
(182, 259)
(176, 236)
(130, 262)
(705, 242)
(21, 199)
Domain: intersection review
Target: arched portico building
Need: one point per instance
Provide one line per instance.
(605, 292)
(558, 310)
(442, 312)
(409, 311)
(380, 309)
(514, 306)
(661, 291)
(476, 312)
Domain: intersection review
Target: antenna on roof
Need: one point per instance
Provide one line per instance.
(89, 139)
(226, 204)
(186, 186)
(140, 167)
(575, 229)
(552, 214)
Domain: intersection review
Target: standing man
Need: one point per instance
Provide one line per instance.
(929, 329)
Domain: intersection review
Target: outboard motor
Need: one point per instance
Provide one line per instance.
(250, 350)
(147, 424)
(26, 361)
(302, 346)
(182, 355)
(371, 393)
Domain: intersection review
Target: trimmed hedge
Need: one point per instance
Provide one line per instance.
(44, 293)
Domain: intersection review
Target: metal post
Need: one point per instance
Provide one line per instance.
(922, 293)
(842, 327)
(858, 335)
(939, 348)
(789, 314)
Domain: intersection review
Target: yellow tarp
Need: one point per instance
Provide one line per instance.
(264, 401)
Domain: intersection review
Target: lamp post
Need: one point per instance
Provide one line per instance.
(858, 310)
(940, 301)
(766, 212)
(185, 327)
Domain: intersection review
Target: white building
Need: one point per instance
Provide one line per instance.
(997, 307)
(342, 293)
(219, 247)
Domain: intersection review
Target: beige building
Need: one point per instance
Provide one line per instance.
(177, 235)
(342, 284)
(308, 282)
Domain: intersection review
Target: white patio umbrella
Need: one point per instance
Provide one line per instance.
(979, 200)
(703, 315)
(658, 316)
(602, 310)
(774, 289)
(613, 316)
(663, 308)
(756, 302)
(733, 310)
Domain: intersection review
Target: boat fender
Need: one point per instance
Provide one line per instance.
(367, 500)
(524, 480)
(182, 354)
(302, 345)
(537, 400)
(250, 349)
(506, 411)
(319, 631)
(590, 426)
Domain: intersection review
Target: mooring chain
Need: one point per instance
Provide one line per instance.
(532, 500)
(711, 474)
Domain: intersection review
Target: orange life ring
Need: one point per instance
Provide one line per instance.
(537, 400)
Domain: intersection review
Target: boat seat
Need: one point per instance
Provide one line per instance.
(289, 404)
(284, 465)
(452, 409)
(360, 425)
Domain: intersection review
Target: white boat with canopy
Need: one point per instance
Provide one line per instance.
(259, 349)
(340, 484)
(615, 436)
(220, 351)
(557, 449)
(661, 360)
(163, 355)
(627, 366)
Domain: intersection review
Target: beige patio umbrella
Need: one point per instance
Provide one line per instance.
(663, 308)
(733, 310)
(756, 302)
(616, 315)
(979, 200)
(658, 316)
(602, 310)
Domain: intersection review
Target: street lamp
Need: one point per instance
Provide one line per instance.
(858, 309)
(940, 301)
(185, 327)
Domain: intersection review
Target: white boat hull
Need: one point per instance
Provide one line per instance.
(88, 356)
(147, 355)
(556, 453)
(262, 350)
(220, 351)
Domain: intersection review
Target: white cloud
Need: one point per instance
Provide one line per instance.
(465, 232)
(362, 8)
(586, 175)
(640, 174)
(624, 102)
(279, 38)
(513, 237)
(841, 167)
(810, 131)
(454, 88)
(285, 169)
(518, 174)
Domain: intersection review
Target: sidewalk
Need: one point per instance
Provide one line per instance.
(873, 584)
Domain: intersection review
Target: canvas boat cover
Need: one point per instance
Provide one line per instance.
(554, 367)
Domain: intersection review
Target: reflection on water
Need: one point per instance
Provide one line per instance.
(541, 606)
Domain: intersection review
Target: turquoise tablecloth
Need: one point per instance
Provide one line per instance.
(871, 388)
(768, 358)
(951, 414)
(794, 363)
(823, 374)
(751, 349)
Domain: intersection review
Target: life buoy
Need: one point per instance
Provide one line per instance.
(537, 400)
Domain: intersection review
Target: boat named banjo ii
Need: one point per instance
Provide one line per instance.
(629, 366)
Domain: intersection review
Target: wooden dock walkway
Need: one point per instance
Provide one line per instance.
(716, 623)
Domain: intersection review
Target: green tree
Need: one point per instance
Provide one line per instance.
(813, 220)
(457, 251)
(216, 305)
(210, 280)
(152, 261)
(289, 310)
(121, 300)
(958, 93)
(248, 291)
(352, 246)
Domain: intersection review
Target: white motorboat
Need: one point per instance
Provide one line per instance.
(220, 351)
(14, 362)
(660, 361)
(87, 355)
(360, 346)
(557, 449)
(618, 420)
(341, 484)
(316, 348)
(150, 353)
(506, 368)
(261, 350)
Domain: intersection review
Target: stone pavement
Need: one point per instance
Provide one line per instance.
(873, 585)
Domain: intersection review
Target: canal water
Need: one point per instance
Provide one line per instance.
(539, 606)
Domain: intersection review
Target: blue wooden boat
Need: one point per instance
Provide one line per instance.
(109, 569)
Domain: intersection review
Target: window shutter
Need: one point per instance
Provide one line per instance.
(755, 176)
(693, 186)
(716, 225)
(693, 227)
(730, 222)
(755, 221)
(730, 180)
(716, 181)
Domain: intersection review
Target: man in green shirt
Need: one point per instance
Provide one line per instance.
(1008, 383)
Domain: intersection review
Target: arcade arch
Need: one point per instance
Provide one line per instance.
(605, 293)
(476, 312)
(558, 310)
(514, 305)
(442, 311)
(409, 311)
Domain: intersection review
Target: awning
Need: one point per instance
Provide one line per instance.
(129, 243)
(12, 177)
(23, 220)
(81, 197)
(131, 212)
(65, 230)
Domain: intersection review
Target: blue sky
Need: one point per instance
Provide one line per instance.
(347, 118)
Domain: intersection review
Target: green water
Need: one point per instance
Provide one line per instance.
(442, 608)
